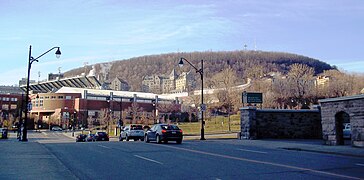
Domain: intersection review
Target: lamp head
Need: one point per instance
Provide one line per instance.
(58, 53)
(180, 62)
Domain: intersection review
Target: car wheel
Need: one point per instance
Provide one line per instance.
(158, 139)
(179, 141)
(146, 139)
(126, 138)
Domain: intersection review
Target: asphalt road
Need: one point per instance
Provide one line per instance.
(211, 159)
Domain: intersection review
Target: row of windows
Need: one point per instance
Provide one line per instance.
(55, 97)
(9, 99)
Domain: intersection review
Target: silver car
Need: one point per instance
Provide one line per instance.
(133, 131)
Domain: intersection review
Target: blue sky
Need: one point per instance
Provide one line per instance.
(106, 30)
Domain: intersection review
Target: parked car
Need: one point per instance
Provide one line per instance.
(3, 133)
(81, 138)
(57, 128)
(101, 136)
(165, 133)
(90, 137)
(133, 131)
(347, 130)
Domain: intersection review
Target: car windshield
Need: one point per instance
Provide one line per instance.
(169, 127)
(136, 127)
(101, 133)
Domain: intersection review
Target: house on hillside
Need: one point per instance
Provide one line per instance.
(321, 80)
(171, 83)
(119, 85)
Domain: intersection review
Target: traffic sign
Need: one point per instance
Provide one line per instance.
(30, 106)
(203, 107)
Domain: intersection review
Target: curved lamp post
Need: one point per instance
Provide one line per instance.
(203, 107)
(30, 62)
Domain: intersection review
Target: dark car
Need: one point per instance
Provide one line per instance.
(81, 138)
(101, 136)
(165, 133)
(90, 137)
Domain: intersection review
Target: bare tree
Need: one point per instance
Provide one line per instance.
(225, 82)
(340, 84)
(134, 111)
(301, 82)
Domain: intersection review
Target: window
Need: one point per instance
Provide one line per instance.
(60, 97)
(53, 97)
(68, 97)
(136, 127)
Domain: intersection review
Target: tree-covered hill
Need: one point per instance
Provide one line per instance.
(247, 64)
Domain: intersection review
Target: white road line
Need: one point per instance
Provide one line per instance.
(151, 160)
(247, 150)
(262, 162)
(359, 164)
(104, 146)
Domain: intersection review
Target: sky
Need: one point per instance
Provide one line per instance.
(95, 31)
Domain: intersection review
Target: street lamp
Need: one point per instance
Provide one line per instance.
(30, 62)
(203, 107)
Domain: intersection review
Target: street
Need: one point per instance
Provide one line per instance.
(193, 159)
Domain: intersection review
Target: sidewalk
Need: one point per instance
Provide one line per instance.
(29, 160)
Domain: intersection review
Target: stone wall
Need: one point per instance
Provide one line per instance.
(301, 124)
(351, 105)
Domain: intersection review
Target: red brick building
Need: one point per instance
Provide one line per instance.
(78, 105)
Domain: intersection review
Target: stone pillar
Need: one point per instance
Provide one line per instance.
(248, 129)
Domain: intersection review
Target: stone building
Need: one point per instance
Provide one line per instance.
(168, 84)
(321, 80)
(119, 85)
(336, 112)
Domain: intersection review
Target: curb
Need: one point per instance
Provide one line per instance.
(323, 152)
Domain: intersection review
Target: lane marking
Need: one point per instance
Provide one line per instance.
(359, 164)
(151, 160)
(261, 162)
(247, 150)
(104, 146)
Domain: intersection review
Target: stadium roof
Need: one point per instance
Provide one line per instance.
(90, 82)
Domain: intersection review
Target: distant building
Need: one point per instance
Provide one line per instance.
(321, 80)
(10, 90)
(119, 85)
(184, 82)
(10, 107)
(23, 81)
(52, 76)
(168, 84)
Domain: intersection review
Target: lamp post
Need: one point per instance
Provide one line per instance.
(200, 71)
(30, 62)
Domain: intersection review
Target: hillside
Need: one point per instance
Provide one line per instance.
(245, 63)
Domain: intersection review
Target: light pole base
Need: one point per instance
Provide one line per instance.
(202, 139)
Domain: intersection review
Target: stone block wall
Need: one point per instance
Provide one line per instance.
(354, 107)
(273, 123)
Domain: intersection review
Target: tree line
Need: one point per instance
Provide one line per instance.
(244, 63)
